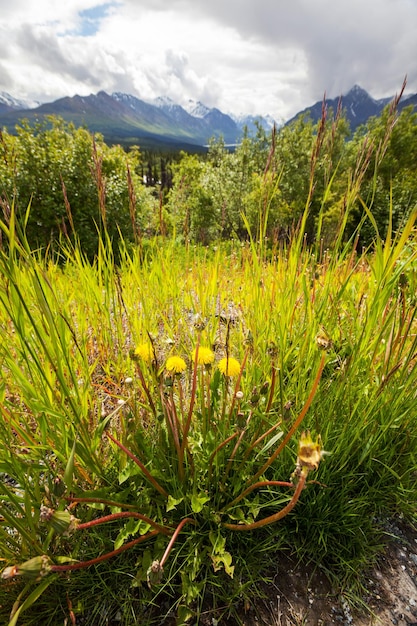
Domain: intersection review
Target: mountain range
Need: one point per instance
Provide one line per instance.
(358, 106)
(123, 118)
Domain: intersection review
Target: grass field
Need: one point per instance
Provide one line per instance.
(152, 453)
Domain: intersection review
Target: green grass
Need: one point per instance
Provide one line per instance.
(334, 334)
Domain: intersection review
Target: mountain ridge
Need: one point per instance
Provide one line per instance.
(357, 104)
(124, 118)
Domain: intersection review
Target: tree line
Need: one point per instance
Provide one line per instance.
(63, 181)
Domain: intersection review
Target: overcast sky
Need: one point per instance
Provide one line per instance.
(249, 56)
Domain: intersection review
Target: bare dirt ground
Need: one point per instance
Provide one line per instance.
(297, 597)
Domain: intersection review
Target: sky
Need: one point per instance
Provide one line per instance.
(255, 57)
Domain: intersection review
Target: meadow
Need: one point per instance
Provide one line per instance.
(174, 421)
(197, 382)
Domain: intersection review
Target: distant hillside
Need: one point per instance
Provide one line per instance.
(123, 118)
(358, 106)
(163, 124)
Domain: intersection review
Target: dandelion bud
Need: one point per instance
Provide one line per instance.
(239, 395)
(38, 566)
(45, 513)
(199, 322)
(240, 421)
(63, 522)
(264, 389)
(9, 572)
(154, 573)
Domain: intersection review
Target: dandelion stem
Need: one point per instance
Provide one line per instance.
(276, 516)
(145, 388)
(104, 557)
(262, 483)
(174, 537)
(187, 425)
(272, 389)
(99, 501)
(123, 514)
(239, 378)
(139, 464)
(219, 447)
(295, 425)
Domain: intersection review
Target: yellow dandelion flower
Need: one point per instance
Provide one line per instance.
(205, 356)
(145, 352)
(229, 366)
(175, 364)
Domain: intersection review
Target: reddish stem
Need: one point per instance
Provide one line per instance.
(139, 464)
(296, 423)
(174, 537)
(99, 501)
(121, 515)
(276, 516)
(103, 557)
(272, 389)
(145, 388)
(239, 378)
(219, 447)
(263, 483)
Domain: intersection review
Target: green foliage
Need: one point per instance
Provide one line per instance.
(150, 398)
(72, 182)
(303, 173)
(150, 411)
(389, 187)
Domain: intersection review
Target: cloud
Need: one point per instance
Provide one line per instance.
(239, 55)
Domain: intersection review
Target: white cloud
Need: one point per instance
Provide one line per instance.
(257, 57)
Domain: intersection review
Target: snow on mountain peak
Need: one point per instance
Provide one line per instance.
(17, 103)
(196, 109)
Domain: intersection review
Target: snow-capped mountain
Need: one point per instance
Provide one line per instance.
(251, 122)
(197, 108)
(124, 118)
(8, 103)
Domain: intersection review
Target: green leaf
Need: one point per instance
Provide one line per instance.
(270, 443)
(172, 503)
(69, 470)
(198, 501)
(31, 599)
(132, 527)
(223, 561)
(184, 614)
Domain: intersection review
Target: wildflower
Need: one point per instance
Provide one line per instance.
(229, 366)
(175, 364)
(145, 352)
(309, 452)
(204, 357)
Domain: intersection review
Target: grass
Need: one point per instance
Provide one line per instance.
(90, 429)
(163, 420)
